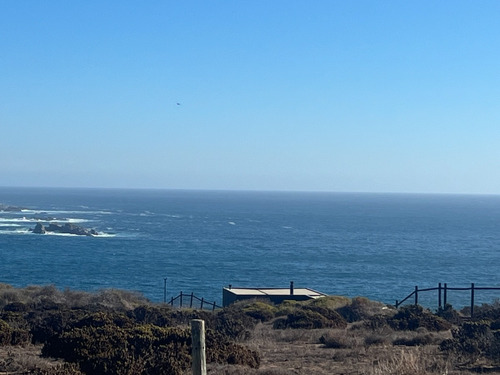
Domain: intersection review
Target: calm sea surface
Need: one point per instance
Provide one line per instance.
(374, 245)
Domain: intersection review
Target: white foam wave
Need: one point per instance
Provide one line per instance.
(61, 234)
(16, 231)
(105, 235)
(25, 219)
(74, 220)
(18, 220)
(100, 235)
(231, 223)
(70, 212)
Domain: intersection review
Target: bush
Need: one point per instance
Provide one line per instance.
(46, 324)
(111, 349)
(473, 340)
(485, 311)
(221, 350)
(10, 335)
(234, 323)
(338, 339)
(418, 340)
(376, 339)
(111, 343)
(413, 317)
(361, 308)
(5, 333)
(15, 307)
(449, 314)
(260, 310)
(309, 319)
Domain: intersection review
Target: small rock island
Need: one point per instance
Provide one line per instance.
(66, 229)
(7, 208)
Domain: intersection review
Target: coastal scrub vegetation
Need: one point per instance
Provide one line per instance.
(47, 331)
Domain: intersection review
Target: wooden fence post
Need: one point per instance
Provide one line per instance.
(416, 295)
(165, 290)
(199, 364)
(472, 300)
(445, 294)
(191, 302)
(180, 304)
(439, 296)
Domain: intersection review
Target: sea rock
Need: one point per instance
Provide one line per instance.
(39, 229)
(7, 208)
(66, 229)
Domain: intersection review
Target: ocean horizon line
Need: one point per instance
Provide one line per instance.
(264, 191)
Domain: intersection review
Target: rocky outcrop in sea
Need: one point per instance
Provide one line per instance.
(65, 229)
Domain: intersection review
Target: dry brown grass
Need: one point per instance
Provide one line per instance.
(344, 351)
(15, 359)
(38, 297)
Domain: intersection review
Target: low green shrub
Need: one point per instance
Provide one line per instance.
(307, 318)
(338, 339)
(233, 323)
(221, 350)
(260, 310)
(5, 333)
(418, 340)
(376, 338)
(485, 311)
(473, 340)
(449, 314)
(412, 317)
(107, 343)
(361, 308)
(47, 323)
(13, 334)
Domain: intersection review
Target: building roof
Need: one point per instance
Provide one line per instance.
(263, 292)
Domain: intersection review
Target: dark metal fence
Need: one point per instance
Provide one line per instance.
(190, 300)
(442, 294)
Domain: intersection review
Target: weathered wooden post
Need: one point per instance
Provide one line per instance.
(165, 290)
(416, 295)
(439, 296)
(191, 302)
(445, 294)
(199, 364)
(472, 300)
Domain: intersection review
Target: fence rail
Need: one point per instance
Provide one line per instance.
(190, 300)
(443, 294)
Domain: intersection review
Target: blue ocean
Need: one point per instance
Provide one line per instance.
(375, 245)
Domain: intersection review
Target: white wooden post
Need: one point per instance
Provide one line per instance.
(198, 338)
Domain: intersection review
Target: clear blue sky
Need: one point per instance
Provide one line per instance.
(364, 96)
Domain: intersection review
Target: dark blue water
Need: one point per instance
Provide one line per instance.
(374, 245)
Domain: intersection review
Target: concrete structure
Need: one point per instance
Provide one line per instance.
(232, 294)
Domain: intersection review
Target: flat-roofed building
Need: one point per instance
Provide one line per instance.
(232, 294)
